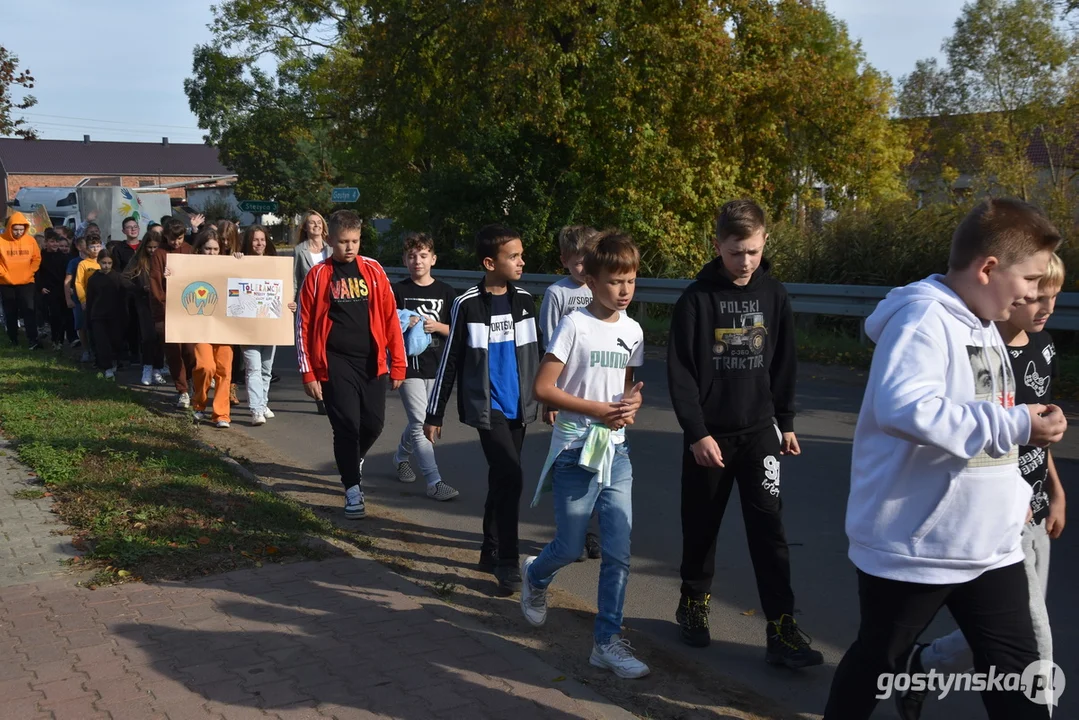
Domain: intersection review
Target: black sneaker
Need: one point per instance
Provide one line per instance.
(909, 703)
(591, 546)
(692, 617)
(320, 407)
(488, 560)
(789, 646)
(509, 579)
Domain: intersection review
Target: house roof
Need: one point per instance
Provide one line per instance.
(75, 157)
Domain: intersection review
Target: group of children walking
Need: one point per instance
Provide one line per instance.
(954, 494)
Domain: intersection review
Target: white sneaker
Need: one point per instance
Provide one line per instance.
(354, 507)
(110, 374)
(184, 402)
(159, 379)
(533, 599)
(85, 358)
(617, 656)
(213, 383)
(268, 413)
(258, 419)
(200, 416)
(147, 374)
(223, 424)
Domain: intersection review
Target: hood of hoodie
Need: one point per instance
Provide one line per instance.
(715, 274)
(930, 290)
(936, 494)
(17, 218)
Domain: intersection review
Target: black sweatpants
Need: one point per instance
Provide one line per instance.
(356, 406)
(58, 315)
(18, 301)
(751, 461)
(153, 346)
(108, 340)
(993, 611)
(502, 446)
(133, 333)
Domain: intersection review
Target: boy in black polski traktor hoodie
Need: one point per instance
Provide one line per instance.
(731, 369)
(493, 349)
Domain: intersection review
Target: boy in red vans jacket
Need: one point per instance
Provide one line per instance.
(348, 320)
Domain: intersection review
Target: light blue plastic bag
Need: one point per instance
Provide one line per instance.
(416, 339)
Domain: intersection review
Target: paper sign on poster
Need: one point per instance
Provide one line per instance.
(229, 301)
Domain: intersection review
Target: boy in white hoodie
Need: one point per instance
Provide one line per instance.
(937, 505)
(1032, 355)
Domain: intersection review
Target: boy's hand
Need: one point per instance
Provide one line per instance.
(1047, 424)
(44, 291)
(413, 320)
(613, 413)
(706, 452)
(549, 416)
(1054, 524)
(397, 383)
(313, 389)
(432, 432)
(790, 445)
(633, 399)
(292, 306)
(70, 303)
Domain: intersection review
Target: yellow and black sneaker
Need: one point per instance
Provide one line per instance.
(692, 617)
(788, 645)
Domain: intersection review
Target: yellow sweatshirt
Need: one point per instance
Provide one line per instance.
(86, 268)
(19, 257)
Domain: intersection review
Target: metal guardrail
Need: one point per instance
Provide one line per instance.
(841, 300)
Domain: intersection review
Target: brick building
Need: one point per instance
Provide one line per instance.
(66, 163)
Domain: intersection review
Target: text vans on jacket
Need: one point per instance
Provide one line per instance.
(464, 358)
(936, 496)
(313, 328)
(19, 258)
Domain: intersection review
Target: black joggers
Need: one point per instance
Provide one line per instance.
(108, 340)
(502, 446)
(751, 461)
(993, 611)
(356, 405)
(18, 301)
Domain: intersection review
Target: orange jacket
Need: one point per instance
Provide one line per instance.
(19, 259)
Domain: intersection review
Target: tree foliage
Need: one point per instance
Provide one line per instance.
(641, 115)
(11, 76)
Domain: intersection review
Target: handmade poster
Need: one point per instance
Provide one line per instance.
(256, 298)
(225, 300)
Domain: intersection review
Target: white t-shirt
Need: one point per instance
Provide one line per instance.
(560, 300)
(596, 355)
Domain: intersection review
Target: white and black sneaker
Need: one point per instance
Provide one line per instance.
(147, 375)
(354, 507)
(184, 401)
(617, 656)
(909, 703)
(533, 599)
(441, 491)
(405, 473)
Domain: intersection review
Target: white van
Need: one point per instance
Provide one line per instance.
(61, 203)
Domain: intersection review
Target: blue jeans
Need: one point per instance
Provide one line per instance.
(258, 362)
(576, 492)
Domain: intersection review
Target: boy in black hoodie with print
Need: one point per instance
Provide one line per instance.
(731, 368)
(50, 286)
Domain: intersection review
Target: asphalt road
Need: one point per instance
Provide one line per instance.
(814, 486)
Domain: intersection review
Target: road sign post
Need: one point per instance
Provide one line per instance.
(259, 206)
(345, 195)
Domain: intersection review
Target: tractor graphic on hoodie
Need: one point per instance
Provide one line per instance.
(745, 340)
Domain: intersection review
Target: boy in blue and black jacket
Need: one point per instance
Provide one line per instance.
(493, 349)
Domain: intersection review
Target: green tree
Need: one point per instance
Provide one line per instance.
(646, 116)
(11, 76)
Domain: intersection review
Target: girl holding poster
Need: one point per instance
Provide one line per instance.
(258, 359)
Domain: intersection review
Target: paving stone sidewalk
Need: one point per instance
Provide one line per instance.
(343, 638)
(29, 549)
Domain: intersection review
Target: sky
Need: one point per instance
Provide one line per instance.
(112, 78)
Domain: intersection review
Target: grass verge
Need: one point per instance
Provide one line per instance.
(143, 499)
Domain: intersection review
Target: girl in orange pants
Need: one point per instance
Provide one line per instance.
(213, 362)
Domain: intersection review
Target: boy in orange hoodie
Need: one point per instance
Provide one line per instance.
(20, 257)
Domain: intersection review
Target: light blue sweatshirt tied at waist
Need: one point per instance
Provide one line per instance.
(597, 452)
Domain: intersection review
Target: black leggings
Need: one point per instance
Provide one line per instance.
(502, 446)
(356, 406)
(993, 611)
(108, 340)
(752, 462)
(153, 349)
(18, 301)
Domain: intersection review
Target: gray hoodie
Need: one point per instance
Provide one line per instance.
(936, 496)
